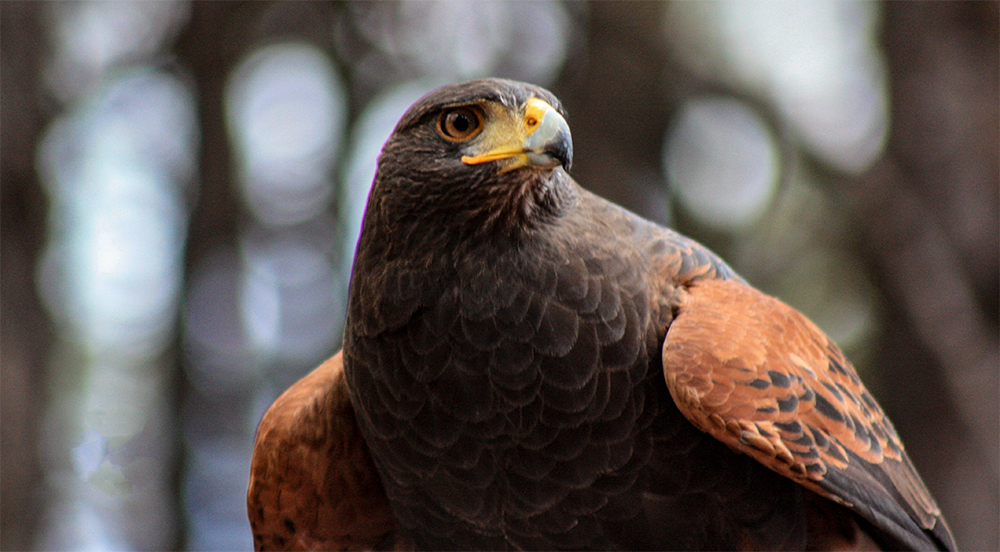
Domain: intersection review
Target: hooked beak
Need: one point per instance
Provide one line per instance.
(540, 139)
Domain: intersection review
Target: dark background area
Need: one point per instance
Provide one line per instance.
(124, 430)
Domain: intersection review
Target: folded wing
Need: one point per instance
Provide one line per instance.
(760, 377)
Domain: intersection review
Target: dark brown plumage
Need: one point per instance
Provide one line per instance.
(534, 367)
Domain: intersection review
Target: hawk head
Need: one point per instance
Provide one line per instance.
(482, 155)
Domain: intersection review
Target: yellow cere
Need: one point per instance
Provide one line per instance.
(504, 136)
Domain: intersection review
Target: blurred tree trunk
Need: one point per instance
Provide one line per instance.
(24, 330)
(930, 213)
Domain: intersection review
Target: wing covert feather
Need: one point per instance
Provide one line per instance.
(313, 485)
(760, 377)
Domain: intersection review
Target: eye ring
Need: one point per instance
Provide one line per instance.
(460, 124)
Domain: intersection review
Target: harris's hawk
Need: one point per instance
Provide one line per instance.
(528, 366)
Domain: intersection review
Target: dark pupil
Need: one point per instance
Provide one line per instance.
(461, 122)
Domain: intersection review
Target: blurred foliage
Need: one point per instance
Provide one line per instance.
(182, 185)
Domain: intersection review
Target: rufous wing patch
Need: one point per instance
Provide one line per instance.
(313, 485)
(760, 377)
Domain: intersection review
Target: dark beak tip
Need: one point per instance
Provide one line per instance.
(563, 151)
(566, 156)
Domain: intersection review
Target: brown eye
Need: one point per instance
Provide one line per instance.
(460, 124)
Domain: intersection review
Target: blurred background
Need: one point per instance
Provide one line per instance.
(183, 183)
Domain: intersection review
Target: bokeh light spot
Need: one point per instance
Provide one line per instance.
(721, 161)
